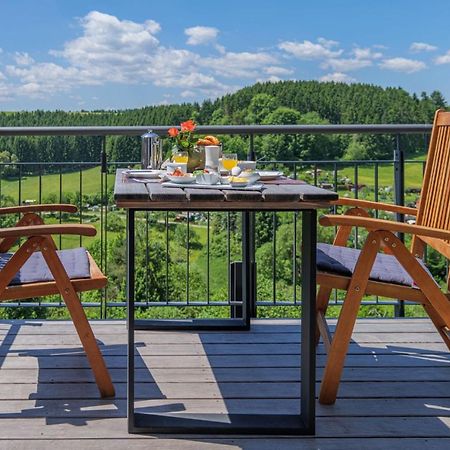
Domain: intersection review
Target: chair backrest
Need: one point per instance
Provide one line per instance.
(434, 206)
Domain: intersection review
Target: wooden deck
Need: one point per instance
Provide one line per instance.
(395, 393)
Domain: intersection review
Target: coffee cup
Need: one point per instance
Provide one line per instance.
(212, 153)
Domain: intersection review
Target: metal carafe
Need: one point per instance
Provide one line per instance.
(152, 151)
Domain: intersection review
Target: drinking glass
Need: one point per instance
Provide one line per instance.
(180, 157)
(229, 160)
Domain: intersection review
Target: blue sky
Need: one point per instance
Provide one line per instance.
(79, 54)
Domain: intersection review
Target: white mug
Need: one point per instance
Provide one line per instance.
(212, 153)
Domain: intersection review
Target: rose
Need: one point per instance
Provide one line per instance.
(173, 132)
(189, 126)
(183, 138)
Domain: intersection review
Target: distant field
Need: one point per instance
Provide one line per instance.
(88, 182)
(366, 174)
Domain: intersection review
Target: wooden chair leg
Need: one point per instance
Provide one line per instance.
(439, 323)
(323, 297)
(79, 319)
(347, 318)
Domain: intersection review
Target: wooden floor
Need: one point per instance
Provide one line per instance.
(395, 391)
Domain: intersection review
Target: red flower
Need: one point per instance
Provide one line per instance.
(173, 132)
(189, 125)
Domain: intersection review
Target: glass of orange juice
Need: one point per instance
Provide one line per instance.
(180, 157)
(229, 160)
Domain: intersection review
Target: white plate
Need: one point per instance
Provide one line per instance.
(267, 175)
(145, 173)
(185, 179)
(251, 187)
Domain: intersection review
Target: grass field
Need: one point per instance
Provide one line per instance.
(87, 181)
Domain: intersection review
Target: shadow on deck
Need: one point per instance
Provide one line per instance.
(395, 389)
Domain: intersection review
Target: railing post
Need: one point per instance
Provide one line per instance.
(251, 156)
(399, 181)
(103, 237)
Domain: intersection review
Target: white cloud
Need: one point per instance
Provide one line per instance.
(366, 53)
(23, 59)
(328, 43)
(338, 77)
(2, 76)
(443, 59)
(41, 79)
(187, 94)
(5, 92)
(277, 70)
(108, 40)
(417, 47)
(200, 35)
(271, 79)
(310, 50)
(121, 51)
(346, 64)
(403, 65)
(239, 65)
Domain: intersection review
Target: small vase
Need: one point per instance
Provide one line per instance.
(196, 158)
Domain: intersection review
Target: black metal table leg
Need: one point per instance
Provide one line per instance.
(130, 319)
(260, 424)
(308, 324)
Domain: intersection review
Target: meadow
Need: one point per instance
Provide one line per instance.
(88, 181)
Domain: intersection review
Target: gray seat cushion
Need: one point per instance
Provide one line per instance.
(342, 261)
(75, 261)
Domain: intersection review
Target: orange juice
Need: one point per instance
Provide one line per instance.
(180, 159)
(228, 164)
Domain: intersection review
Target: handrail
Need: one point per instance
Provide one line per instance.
(220, 129)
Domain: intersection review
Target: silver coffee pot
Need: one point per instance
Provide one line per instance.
(152, 151)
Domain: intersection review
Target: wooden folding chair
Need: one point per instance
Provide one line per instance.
(37, 269)
(397, 273)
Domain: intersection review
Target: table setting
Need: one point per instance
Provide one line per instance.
(207, 167)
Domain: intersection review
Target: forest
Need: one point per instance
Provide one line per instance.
(187, 259)
(284, 102)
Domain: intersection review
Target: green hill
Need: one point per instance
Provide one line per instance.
(290, 102)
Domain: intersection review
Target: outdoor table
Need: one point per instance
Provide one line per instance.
(301, 197)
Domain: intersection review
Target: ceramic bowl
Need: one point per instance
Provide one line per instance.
(208, 178)
(244, 165)
(185, 179)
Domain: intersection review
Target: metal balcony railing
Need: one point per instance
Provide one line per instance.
(89, 186)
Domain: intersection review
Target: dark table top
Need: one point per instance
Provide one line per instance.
(283, 197)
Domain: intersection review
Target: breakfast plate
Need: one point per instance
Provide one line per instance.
(144, 173)
(187, 178)
(247, 187)
(266, 175)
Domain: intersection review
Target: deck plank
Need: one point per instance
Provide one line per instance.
(395, 391)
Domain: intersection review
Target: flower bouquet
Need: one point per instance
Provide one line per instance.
(183, 140)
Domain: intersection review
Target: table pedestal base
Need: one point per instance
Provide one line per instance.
(256, 424)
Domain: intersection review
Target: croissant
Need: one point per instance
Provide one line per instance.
(204, 142)
(213, 140)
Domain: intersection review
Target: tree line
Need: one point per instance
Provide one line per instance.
(284, 102)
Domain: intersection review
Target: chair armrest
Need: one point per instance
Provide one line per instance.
(367, 204)
(387, 225)
(44, 230)
(39, 208)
